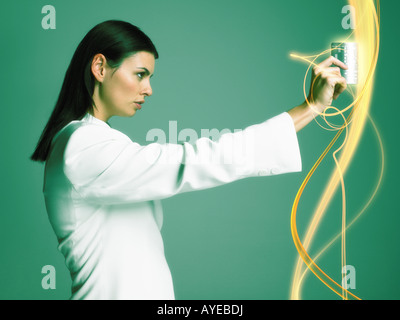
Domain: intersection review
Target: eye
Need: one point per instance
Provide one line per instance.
(141, 75)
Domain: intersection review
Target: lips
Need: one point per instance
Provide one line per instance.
(139, 104)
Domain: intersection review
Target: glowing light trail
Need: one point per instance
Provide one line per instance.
(382, 160)
(367, 37)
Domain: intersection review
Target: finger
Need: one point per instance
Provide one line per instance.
(329, 74)
(327, 71)
(340, 87)
(335, 81)
(339, 63)
(332, 60)
(332, 71)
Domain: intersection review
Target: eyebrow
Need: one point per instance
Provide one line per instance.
(146, 70)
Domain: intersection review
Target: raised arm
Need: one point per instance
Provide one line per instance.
(106, 166)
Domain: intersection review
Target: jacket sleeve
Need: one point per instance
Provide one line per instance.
(111, 169)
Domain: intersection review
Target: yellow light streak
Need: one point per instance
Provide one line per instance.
(367, 36)
(371, 198)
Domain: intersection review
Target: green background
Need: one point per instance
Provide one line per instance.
(223, 64)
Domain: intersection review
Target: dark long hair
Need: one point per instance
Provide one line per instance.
(116, 40)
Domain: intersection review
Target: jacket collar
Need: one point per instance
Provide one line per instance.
(91, 119)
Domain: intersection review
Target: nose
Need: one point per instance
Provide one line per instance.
(147, 90)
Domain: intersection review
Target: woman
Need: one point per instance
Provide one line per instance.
(103, 191)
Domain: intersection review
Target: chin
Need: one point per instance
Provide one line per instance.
(127, 113)
(130, 115)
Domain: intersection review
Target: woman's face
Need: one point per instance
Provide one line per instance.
(122, 91)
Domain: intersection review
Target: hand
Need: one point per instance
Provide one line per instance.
(326, 83)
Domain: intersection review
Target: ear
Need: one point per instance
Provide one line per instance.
(98, 66)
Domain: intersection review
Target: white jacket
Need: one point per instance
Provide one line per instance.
(102, 193)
